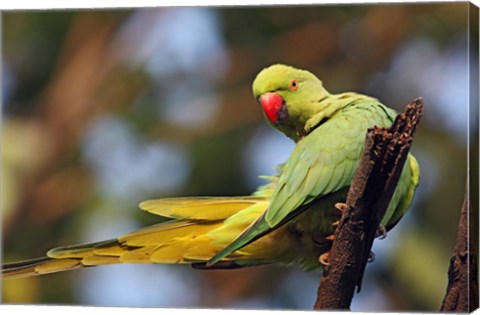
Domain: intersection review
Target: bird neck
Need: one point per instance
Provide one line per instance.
(318, 112)
(329, 106)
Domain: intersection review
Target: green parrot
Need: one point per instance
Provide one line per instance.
(290, 220)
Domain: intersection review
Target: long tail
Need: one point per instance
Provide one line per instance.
(76, 257)
(200, 228)
(38, 266)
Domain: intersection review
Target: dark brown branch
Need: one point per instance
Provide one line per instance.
(386, 150)
(462, 289)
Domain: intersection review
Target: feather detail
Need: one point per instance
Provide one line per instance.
(200, 208)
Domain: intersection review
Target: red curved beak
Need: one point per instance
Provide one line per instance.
(272, 104)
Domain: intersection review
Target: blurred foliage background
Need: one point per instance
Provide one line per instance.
(105, 108)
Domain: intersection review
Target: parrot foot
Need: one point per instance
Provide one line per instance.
(381, 232)
(341, 206)
(336, 223)
(371, 257)
(323, 259)
(330, 237)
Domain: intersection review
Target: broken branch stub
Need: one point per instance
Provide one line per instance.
(385, 153)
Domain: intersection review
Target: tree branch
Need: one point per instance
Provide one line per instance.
(372, 188)
(462, 289)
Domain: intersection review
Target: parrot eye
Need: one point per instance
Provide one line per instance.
(293, 85)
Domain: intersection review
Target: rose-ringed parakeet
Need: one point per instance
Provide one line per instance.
(288, 221)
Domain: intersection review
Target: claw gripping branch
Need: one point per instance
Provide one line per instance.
(386, 150)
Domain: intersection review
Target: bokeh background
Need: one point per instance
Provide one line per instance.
(103, 109)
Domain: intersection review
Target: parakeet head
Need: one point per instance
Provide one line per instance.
(289, 97)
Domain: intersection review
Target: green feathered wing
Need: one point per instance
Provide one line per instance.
(323, 162)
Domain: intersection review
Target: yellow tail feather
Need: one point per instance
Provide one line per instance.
(187, 239)
(38, 266)
(199, 208)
